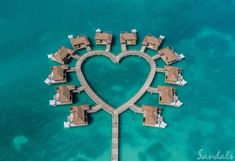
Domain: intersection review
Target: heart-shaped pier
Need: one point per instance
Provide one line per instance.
(115, 59)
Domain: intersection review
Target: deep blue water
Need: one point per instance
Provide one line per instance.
(31, 130)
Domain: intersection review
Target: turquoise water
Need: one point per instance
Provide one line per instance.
(116, 84)
(30, 130)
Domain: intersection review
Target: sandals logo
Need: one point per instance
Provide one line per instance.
(219, 155)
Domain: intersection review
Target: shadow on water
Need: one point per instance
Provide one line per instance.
(74, 98)
(90, 118)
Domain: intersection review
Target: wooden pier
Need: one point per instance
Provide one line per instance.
(161, 70)
(78, 90)
(108, 47)
(155, 57)
(115, 137)
(101, 104)
(95, 109)
(123, 47)
(88, 48)
(142, 49)
(71, 70)
(75, 56)
(136, 109)
(152, 90)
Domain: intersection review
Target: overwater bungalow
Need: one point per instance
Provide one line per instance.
(152, 117)
(62, 55)
(58, 75)
(173, 75)
(79, 42)
(167, 96)
(169, 56)
(63, 95)
(77, 117)
(128, 38)
(152, 42)
(103, 38)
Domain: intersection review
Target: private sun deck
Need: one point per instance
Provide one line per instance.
(167, 96)
(103, 38)
(79, 42)
(152, 42)
(77, 117)
(152, 117)
(63, 95)
(169, 56)
(62, 55)
(58, 75)
(173, 75)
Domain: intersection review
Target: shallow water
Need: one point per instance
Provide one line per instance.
(202, 30)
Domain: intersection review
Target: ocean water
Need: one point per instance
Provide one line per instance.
(31, 130)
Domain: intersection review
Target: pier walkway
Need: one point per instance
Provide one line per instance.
(71, 70)
(123, 47)
(160, 70)
(115, 137)
(108, 47)
(152, 90)
(88, 48)
(78, 90)
(115, 59)
(142, 48)
(136, 109)
(95, 109)
(155, 57)
(75, 56)
(102, 104)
